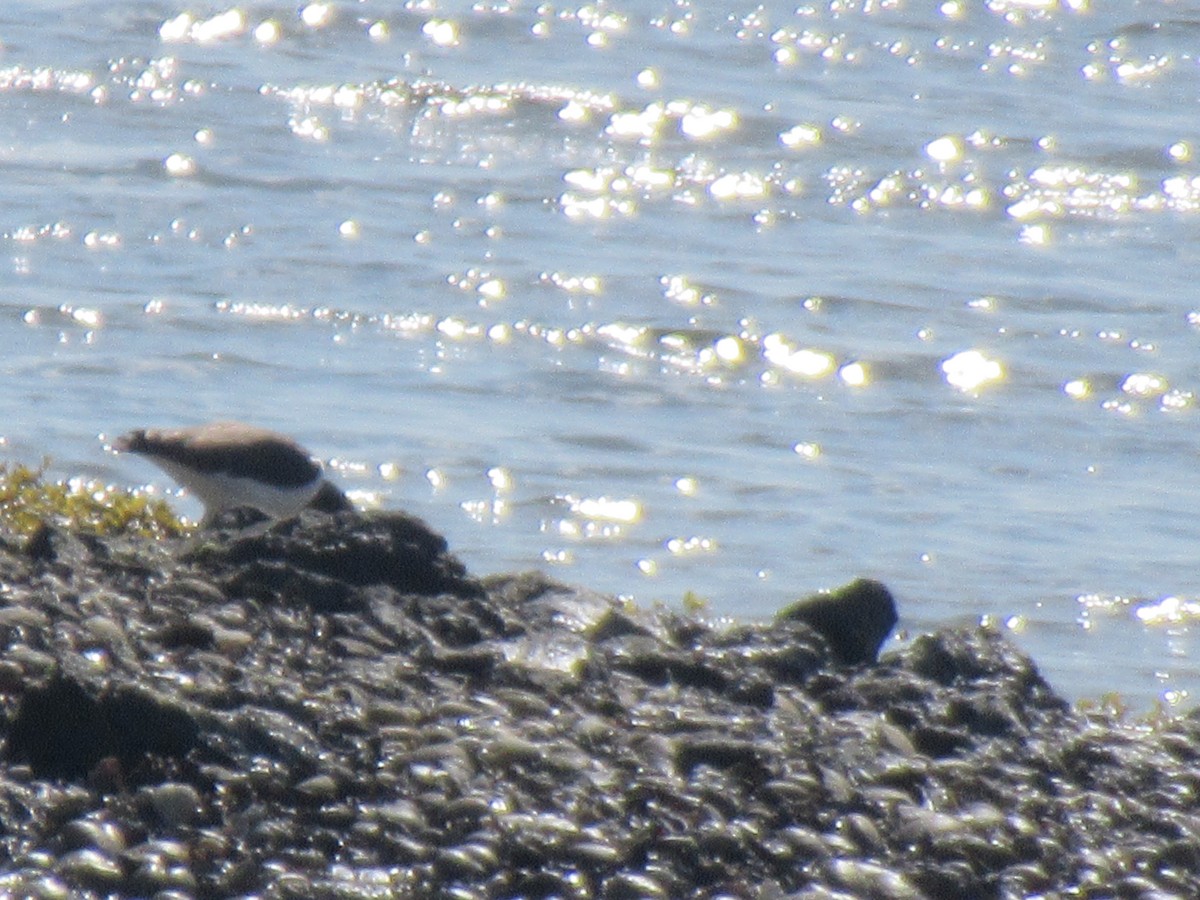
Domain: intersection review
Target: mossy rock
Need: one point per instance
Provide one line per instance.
(29, 502)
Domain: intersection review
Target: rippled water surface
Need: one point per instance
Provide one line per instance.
(743, 300)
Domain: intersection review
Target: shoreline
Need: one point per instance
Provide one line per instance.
(334, 706)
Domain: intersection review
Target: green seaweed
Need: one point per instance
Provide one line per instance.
(1112, 710)
(29, 501)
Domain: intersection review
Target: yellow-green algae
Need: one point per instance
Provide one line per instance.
(29, 501)
(1111, 710)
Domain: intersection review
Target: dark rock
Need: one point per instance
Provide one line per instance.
(330, 499)
(855, 619)
(143, 724)
(317, 560)
(477, 664)
(721, 753)
(649, 660)
(60, 730)
(937, 742)
(39, 546)
(332, 706)
(186, 633)
(277, 580)
(64, 731)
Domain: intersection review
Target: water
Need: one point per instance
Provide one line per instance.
(744, 300)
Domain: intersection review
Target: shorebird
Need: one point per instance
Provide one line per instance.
(227, 465)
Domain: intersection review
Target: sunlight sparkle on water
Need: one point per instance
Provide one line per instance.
(691, 545)
(646, 177)
(592, 180)
(485, 512)
(802, 361)
(945, 149)
(268, 32)
(1169, 611)
(309, 127)
(854, 374)
(1175, 400)
(82, 315)
(738, 186)
(971, 370)
(573, 284)
(595, 17)
(1128, 71)
(1058, 191)
(317, 15)
(1034, 235)
(575, 207)
(1078, 388)
(267, 312)
(678, 289)
(102, 240)
(574, 111)
(607, 508)
(455, 328)
(626, 336)
(185, 27)
(701, 122)
(1144, 384)
(179, 166)
(1181, 193)
(729, 349)
(801, 136)
(442, 32)
(492, 289)
(643, 125)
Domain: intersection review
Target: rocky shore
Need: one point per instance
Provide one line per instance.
(333, 706)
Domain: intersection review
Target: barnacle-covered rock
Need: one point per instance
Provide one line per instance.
(333, 706)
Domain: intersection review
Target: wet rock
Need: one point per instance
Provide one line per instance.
(174, 804)
(333, 706)
(186, 633)
(318, 789)
(318, 559)
(39, 546)
(59, 730)
(94, 833)
(632, 886)
(330, 499)
(92, 869)
(721, 753)
(855, 619)
(64, 730)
